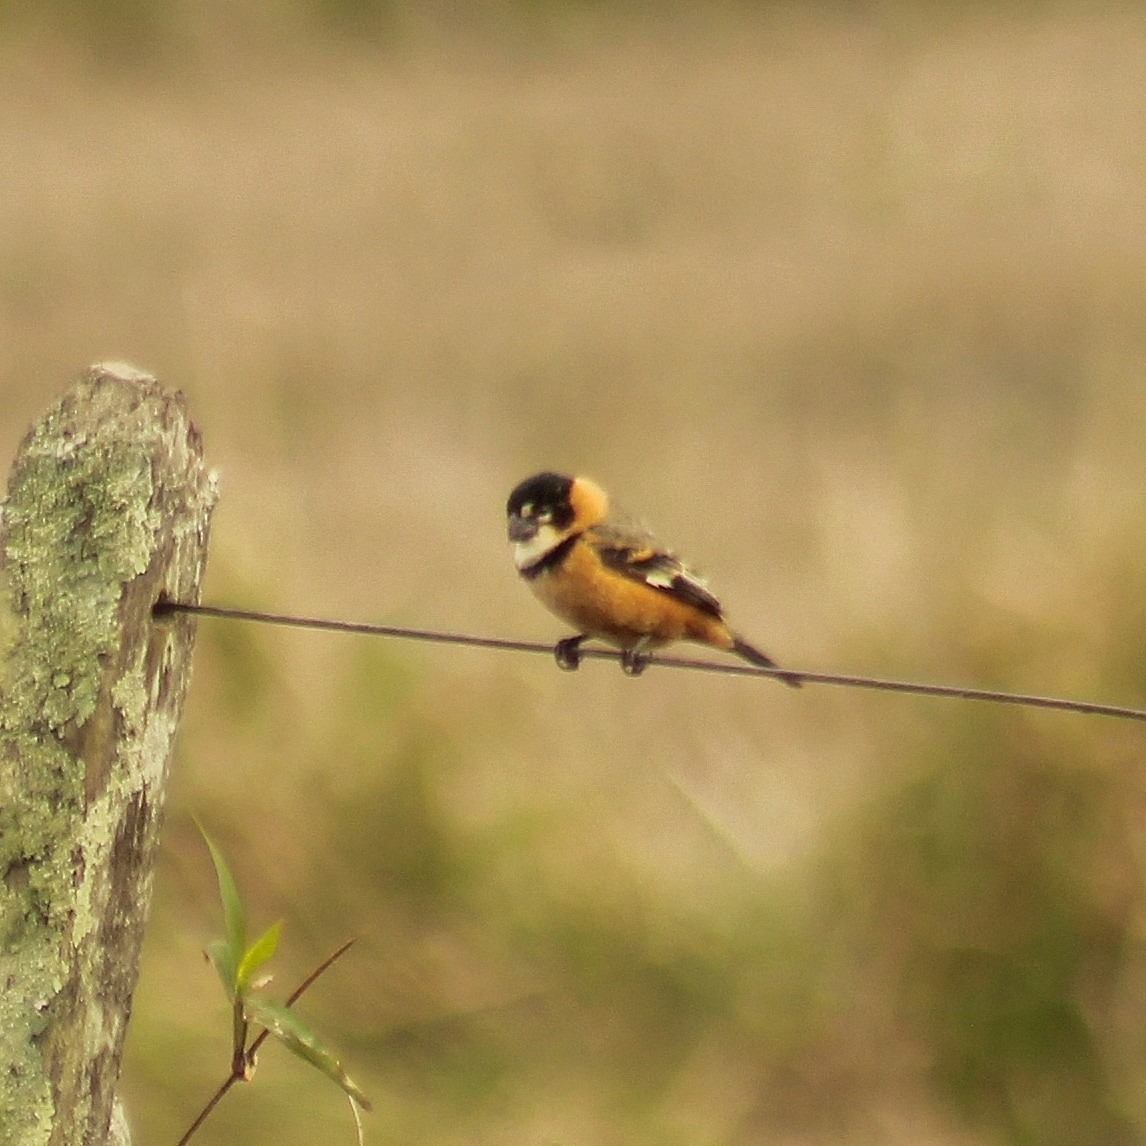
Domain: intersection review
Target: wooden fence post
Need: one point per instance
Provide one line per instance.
(108, 507)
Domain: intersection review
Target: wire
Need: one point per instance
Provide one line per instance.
(165, 607)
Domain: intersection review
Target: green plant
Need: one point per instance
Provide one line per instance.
(240, 967)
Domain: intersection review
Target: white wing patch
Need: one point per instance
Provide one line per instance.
(663, 578)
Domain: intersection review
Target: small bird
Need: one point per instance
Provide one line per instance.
(611, 581)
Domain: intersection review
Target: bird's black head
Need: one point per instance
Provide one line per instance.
(540, 500)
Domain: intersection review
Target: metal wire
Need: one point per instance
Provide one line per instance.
(166, 608)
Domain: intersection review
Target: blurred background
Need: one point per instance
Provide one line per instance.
(846, 300)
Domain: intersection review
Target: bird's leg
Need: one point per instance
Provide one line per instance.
(567, 653)
(635, 660)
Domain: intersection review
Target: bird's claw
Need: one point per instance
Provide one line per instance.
(567, 653)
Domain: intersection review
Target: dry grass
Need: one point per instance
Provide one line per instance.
(850, 308)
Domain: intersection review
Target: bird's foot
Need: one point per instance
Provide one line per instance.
(634, 661)
(567, 653)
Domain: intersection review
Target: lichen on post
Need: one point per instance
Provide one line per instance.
(108, 509)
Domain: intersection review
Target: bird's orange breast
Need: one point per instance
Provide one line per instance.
(605, 603)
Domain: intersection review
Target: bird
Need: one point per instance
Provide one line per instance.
(612, 580)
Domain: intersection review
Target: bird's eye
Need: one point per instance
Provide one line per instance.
(527, 509)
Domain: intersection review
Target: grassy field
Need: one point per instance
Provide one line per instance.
(847, 302)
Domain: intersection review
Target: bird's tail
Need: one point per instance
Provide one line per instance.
(754, 656)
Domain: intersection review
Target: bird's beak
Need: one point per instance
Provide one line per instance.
(521, 528)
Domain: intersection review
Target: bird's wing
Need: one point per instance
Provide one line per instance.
(636, 555)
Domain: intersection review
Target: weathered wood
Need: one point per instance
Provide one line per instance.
(108, 507)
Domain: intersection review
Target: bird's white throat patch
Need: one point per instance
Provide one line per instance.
(527, 553)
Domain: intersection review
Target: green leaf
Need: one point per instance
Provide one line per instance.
(357, 1120)
(223, 960)
(294, 1034)
(234, 919)
(256, 955)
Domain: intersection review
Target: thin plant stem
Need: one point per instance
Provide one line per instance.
(243, 1060)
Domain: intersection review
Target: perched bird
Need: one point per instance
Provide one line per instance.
(611, 581)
